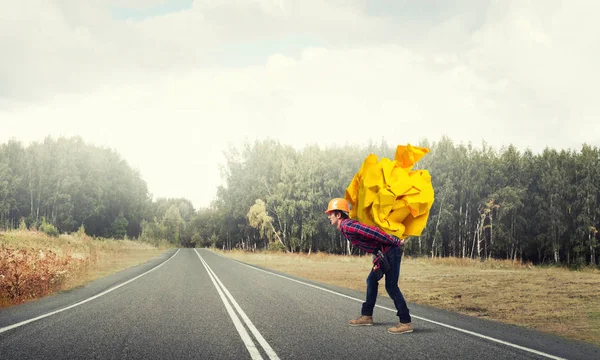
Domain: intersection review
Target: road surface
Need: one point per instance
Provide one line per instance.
(195, 304)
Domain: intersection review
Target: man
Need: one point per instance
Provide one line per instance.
(371, 239)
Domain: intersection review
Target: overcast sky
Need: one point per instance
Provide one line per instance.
(170, 83)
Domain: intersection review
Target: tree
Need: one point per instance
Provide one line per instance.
(173, 223)
(587, 205)
(119, 227)
(261, 221)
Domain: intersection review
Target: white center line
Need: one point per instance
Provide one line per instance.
(238, 325)
(489, 338)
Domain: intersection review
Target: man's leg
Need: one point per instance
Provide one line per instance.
(372, 287)
(391, 286)
(366, 312)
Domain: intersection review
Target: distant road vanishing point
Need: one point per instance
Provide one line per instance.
(195, 304)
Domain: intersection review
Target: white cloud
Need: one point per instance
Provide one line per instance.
(170, 92)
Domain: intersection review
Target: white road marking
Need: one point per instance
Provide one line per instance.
(533, 351)
(254, 353)
(6, 328)
(270, 352)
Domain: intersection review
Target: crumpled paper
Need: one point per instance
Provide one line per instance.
(390, 195)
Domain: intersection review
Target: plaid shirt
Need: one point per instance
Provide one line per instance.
(366, 237)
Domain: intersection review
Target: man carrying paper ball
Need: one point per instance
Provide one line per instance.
(387, 253)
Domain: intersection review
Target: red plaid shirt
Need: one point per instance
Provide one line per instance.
(366, 237)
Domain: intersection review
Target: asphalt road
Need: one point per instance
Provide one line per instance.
(194, 304)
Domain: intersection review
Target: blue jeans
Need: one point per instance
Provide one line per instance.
(394, 256)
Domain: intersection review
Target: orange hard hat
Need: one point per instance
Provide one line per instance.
(338, 204)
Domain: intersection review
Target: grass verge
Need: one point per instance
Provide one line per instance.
(33, 265)
(553, 300)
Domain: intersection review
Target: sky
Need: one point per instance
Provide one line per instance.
(171, 84)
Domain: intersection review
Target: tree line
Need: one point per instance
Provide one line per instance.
(71, 185)
(488, 204)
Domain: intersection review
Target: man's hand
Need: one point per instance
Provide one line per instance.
(399, 242)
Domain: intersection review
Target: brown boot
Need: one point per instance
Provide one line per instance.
(401, 328)
(361, 321)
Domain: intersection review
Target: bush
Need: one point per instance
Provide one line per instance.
(81, 231)
(277, 246)
(49, 229)
(28, 274)
(22, 225)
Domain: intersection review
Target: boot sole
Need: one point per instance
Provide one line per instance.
(360, 324)
(398, 333)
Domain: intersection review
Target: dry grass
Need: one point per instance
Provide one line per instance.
(33, 264)
(554, 300)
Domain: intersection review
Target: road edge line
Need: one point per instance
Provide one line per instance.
(13, 326)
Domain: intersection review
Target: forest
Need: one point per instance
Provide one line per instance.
(489, 203)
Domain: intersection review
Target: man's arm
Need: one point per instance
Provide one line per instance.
(375, 233)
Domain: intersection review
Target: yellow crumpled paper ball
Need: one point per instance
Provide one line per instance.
(388, 194)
